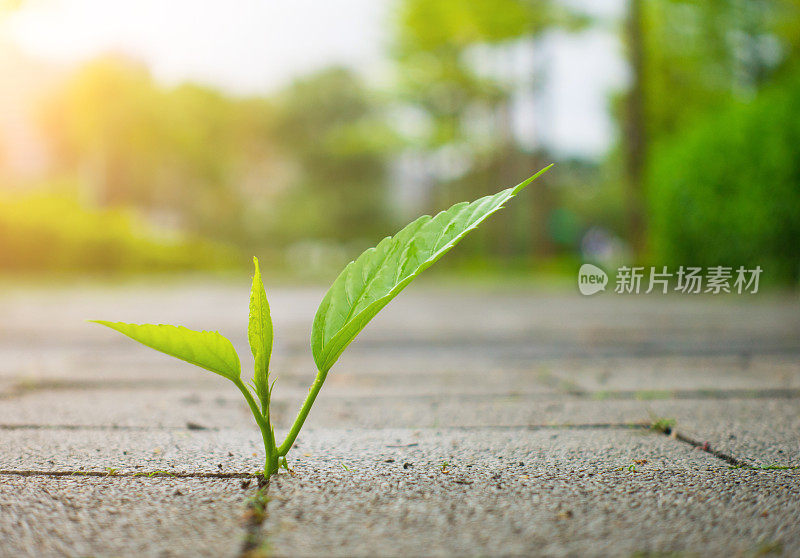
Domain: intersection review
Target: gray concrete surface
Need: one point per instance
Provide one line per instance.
(523, 493)
(120, 517)
(461, 423)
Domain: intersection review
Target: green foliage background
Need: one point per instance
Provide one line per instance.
(149, 177)
(726, 191)
(55, 233)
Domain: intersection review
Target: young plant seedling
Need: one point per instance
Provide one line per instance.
(362, 289)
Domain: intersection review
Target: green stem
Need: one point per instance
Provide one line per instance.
(271, 462)
(284, 448)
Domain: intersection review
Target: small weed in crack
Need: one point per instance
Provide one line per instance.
(663, 425)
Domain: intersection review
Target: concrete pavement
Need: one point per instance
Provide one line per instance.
(462, 422)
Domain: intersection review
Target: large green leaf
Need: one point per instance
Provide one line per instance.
(206, 349)
(259, 333)
(367, 284)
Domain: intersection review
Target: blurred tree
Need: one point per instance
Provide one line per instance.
(334, 136)
(459, 63)
(697, 56)
(726, 190)
(184, 156)
(687, 57)
(635, 129)
(219, 160)
(699, 53)
(253, 172)
(104, 123)
(52, 231)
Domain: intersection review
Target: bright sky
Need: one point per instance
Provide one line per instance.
(255, 46)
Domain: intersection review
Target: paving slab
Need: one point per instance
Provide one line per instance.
(452, 411)
(518, 451)
(126, 451)
(554, 493)
(59, 313)
(144, 408)
(220, 404)
(500, 327)
(124, 364)
(44, 517)
(678, 373)
(350, 379)
(440, 431)
(759, 432)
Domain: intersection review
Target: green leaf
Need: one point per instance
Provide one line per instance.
(259, 333)
(206, 349)
(367, 284)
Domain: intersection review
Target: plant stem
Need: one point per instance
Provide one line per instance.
(271, 461)
(284, 448)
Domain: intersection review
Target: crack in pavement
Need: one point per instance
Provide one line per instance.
(142, 474)
(672, 433)
(545, 426)
(192, 427)
(189, 426)
(24, 386)
(733, 461)
(254, 542)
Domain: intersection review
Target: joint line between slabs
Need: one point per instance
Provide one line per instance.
(115, 475)
(555, 426)
(468, 427)
(706, 447)
(254, 517)
(189, 426)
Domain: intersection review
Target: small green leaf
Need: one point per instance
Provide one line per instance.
(259, 333)
(370, 282)
(206, 349)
